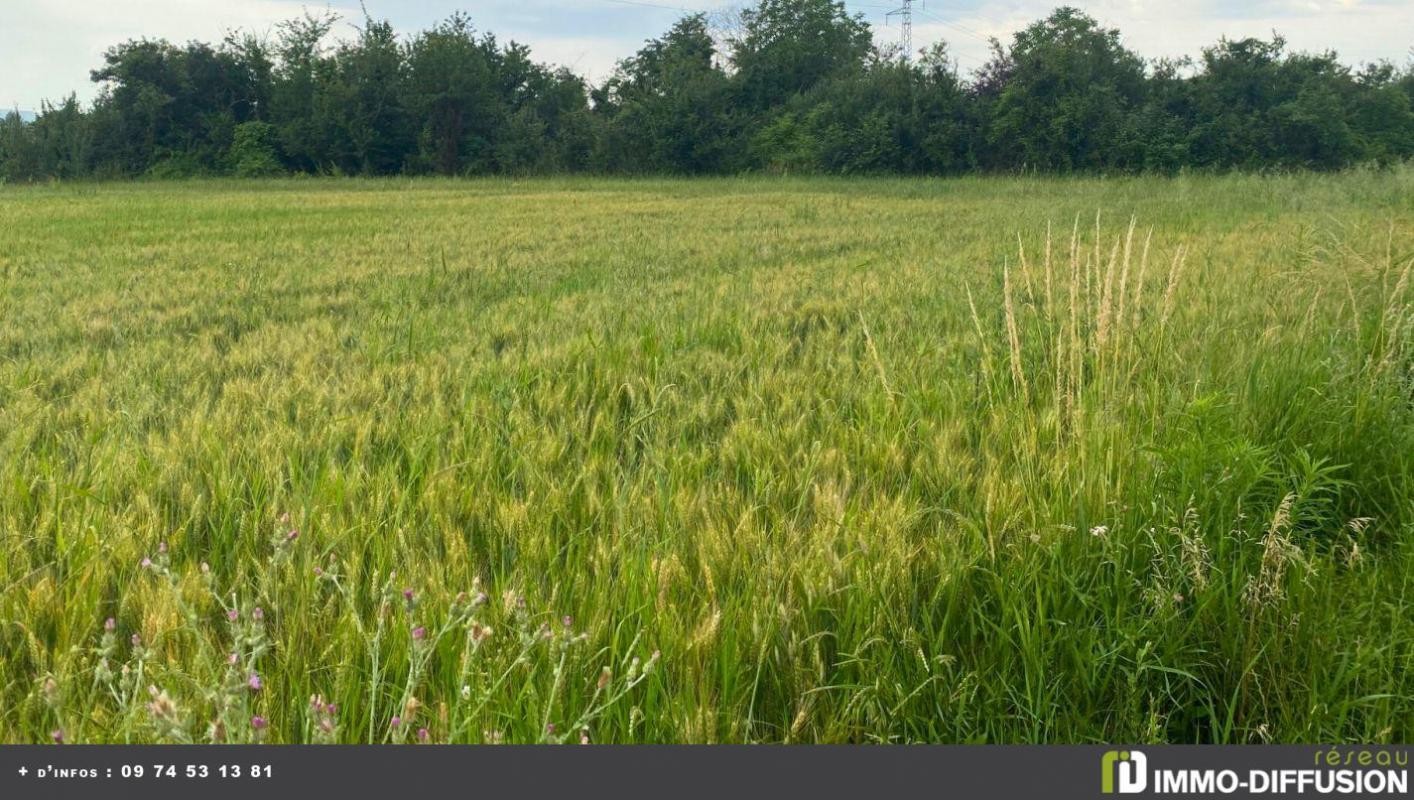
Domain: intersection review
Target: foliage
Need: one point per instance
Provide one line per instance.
(253, 151)
(796, 86)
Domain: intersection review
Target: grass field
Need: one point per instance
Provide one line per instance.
(708, 461)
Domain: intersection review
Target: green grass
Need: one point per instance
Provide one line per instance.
(753, 426)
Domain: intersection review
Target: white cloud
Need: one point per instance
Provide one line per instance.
(47, 47)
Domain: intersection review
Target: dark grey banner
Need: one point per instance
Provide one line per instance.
(625, 773)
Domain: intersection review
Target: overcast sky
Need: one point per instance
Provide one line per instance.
(47, 47)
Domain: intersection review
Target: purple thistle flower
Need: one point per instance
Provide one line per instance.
(146, 563)
(257, 614)
(233, 615)
(136, 640)
(259, 723)
(254, 682)
(423, 734)
(318, 573)
(419, 633)
(233, 659)
(57, 735)
(396, 722)
(110, 624)
(292, 535)
(550, 728)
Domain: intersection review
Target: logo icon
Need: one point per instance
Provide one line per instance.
(1132, 767)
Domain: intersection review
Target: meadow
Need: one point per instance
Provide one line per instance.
(730, 460)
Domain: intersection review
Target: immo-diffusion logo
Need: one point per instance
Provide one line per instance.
(1132, 767)
(1335, 772)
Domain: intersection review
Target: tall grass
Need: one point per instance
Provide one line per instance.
(710, 461)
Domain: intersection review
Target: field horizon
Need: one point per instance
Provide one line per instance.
(755, 459)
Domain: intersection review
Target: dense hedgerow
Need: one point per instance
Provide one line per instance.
(785, 86)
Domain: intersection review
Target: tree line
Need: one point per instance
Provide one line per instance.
(786, 86)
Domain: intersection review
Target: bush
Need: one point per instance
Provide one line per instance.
(253, 152)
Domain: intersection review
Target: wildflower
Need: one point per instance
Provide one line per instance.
(233, 659)
(146, 563)
(466, 691)
(423, 734)
(550, 728)
(57, 735)
(604, 677)
(419, 633)
(136, 640)
(1099, 530)
(318, 573)
(257, 614)
(259, 723)
(584, 736)
(161, 707)
(292, 535)
(254, 683)
(233, 615)
(161, 547)
(110, 624)
(396, 722)
(567, 620)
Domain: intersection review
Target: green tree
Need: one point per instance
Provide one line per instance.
(789, 46)
(452, 93)
(1069, 87)
(667, 107)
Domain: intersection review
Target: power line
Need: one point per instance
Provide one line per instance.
(654, 5)
(957, 27)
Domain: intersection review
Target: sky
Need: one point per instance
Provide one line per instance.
(47, 47)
